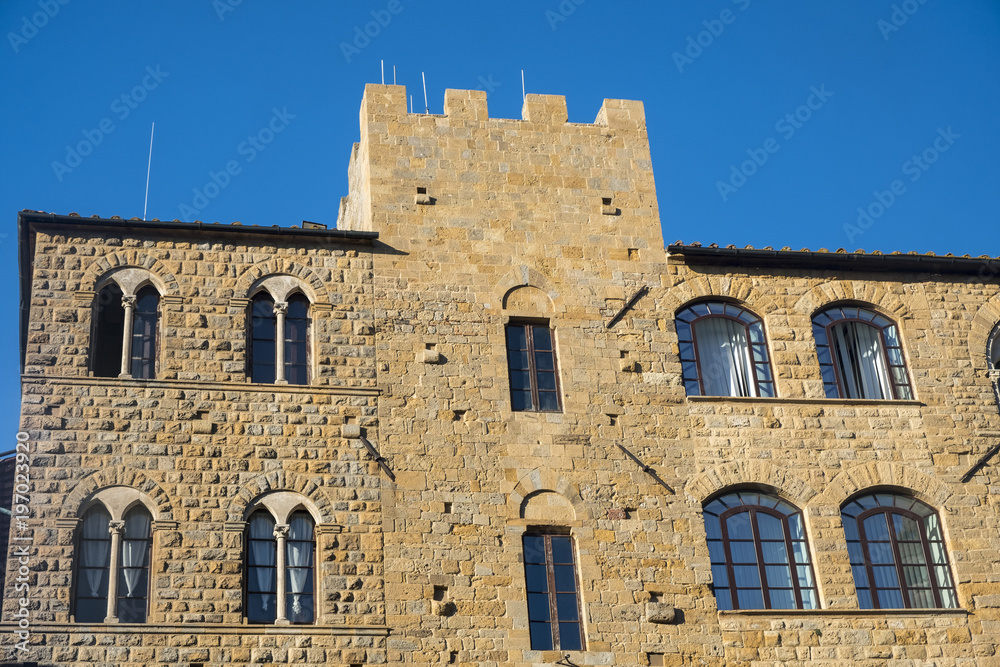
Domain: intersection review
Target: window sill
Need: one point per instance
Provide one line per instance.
(802, 400)
(160, 628)
(202, 384)
(785, 613)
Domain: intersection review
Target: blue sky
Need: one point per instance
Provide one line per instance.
(770, 123)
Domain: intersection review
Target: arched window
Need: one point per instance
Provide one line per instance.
(112, 572)
(897, 553)
(108, 332)
(723, 351)
(125, 332)
(860, 354)
(760, 559)
(289, 362)
(280, 569)
(994, 348)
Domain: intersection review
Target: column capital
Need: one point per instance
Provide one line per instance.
(280, 307)
(128, 300)
(116, 527)
(281, 530)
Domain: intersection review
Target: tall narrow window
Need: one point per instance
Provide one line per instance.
(133, 574)
(296, 337)
(760, 559)
(147, 306)
(93, 566)
(108, 332)
(723, 351)
(263, 325)
(897, 553)
(994, 348)
(299, 568)
(262, 569)
(554, 612)
(531, 365)
(860, 354)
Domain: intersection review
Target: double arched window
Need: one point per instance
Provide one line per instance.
(280, 562)
(125, 327)
(279, 339)
(860, 354)
(897, 553)
(112, 565)
(760, 559)
(723, 351)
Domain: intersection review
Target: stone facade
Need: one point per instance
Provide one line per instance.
(454, 226)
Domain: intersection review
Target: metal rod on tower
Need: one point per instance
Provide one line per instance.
(523, 96)
(411, 103)
(427, 109)
(394, 75)
(383, 71)
(149, 165)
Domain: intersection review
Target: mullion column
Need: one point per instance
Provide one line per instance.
(281, 535)
(128, 302)
(116, 528)
(280, 308)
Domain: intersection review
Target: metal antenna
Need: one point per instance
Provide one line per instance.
(427, 109)
(383, 71)
(523, 96)
(394, 75)
(148, 167)
(411, 103)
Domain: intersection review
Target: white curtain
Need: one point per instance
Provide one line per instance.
(96, 550)
(299, 558)
(263, 553)
(860, 360)
(724, 357)
(135, 548)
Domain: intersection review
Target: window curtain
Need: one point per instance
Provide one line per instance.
(724, 357)
(135, 552)
(299, 557)
(96, 551)
(860, 360)
(263, 565)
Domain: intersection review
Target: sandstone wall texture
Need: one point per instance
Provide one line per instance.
(482, 222)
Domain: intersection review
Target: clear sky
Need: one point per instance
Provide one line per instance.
(770, 123)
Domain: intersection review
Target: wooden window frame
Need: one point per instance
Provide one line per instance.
(553, 622)
(529, 326)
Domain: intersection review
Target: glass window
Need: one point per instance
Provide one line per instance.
(147, 306)
(133, 575)
(296, 337)
(262, 569)
(108, 332)
(299, 568)
(263, 576)
(860, 354)
(531, 366)
(758, 551)
(994, 347)
(92, 566)
(723, 351)
(263, 324)
(897, 553)
(554, 612)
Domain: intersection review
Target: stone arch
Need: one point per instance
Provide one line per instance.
(875, 475)
(313, 287)
(118, 500)
(281, 505)
(525, 276)
(122, 476)
(725, 288)
(861, 292)
(750, 473)
(280, 480)
(527, 298)
(545, 481)
(159, 276)
(984, 333)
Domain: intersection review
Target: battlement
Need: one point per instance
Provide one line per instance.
(389, 100)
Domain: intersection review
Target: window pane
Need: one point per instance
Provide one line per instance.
(520, 400)
(750, 599)
(517, 359)
(567, 607)
(534, 549)
(865, 599)
(770, 527)
(520, 380)
(546, 381)
(544, 361)
(565, 578)
(738, 526)
(547, 401)
(746, 576)
(885, 576)
(774, 552)
(717, 553)
(809, 600)
(876, 528)
(743, 552)
(537, 579)
(720, 576)
(782, 599)
(890, 599)
(778, 576)
(562, 550)
(569, 637)
(516, 339)
(541, 636)
(860, 576)
(805, 578)
(542, 338)
(723, 599)
(538, 606)
(110, 316)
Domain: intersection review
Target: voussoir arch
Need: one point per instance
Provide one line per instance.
(117, 476)
(861, 292)
(280, 480)
(984, 332)
(750, 473)
(541, 481)
(162, 279)
(724, 288)
(526, 276)
(281, 266)
(875, 475)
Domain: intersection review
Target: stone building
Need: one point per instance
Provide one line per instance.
(491, 420)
